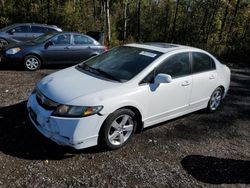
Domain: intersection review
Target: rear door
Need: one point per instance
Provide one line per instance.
(83, 48)
(204, 79)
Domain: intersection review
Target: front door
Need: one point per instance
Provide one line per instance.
(20, 33)
(61, 50)
(169, 100)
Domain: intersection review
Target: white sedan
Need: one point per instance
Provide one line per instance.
(105, 99)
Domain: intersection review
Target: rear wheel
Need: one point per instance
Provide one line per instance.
(215, 100)
(32, 62)
(3, 42)
(118, 129)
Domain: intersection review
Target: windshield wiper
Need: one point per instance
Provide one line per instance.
(97, 70)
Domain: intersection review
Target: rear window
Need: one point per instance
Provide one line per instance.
(37, 29)
(124, 62)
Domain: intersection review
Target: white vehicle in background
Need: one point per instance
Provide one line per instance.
(105, 99)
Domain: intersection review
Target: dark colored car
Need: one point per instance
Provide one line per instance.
(53, 48)
(24, 32)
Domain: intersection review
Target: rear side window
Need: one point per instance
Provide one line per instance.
(63, 39)
(80, 39)
(202, 62)
(37, 29)
(176, 66)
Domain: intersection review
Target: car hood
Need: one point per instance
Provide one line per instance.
(66, 85)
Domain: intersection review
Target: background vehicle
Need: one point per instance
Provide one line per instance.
(53, 48)
(24, 32)
(106, 98)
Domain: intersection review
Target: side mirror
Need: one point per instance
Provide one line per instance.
(47, 44)
(12, 31)
(162, 78)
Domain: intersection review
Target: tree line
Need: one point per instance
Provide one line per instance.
(219, 26)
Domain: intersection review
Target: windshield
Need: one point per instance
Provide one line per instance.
(43, 38)
(122, 63)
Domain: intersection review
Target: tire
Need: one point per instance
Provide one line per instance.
(3, 42)
(118, 129)
(32, 62)
(215, 100)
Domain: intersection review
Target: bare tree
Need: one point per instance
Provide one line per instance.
(48, 12)
(94, 10)
(139, 20)
(106, 2)
(174, 22)
(224, 18)
(236, 8)
(125, 20)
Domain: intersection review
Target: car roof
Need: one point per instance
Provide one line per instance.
(35, 24)
(72, 33)
(160, 47)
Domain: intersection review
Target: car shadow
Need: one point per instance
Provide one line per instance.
(20, 139)
(215, 170)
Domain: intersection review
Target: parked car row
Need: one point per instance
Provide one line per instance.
(24, 32)
(53, 48)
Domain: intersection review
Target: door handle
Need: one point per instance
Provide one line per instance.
(212, 77)
(186, 83)
(66, 48)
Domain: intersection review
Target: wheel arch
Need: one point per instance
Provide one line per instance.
(34, 54)
(138, 115)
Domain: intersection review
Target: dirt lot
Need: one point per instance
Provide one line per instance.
(198, 150)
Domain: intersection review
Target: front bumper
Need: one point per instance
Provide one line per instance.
(10, 59)
(78, 133)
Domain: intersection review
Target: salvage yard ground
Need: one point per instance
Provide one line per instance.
(197, 150)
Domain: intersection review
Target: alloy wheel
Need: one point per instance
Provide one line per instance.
(215, 99)
(120, 129)
(32, 63)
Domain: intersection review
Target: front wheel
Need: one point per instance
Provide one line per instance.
(32, 62)
(118, 128)
(215, 100)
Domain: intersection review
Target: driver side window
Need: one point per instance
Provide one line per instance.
(20, 29)
(63, 39)
(176, 66)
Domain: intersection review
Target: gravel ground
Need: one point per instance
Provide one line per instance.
(197, 150)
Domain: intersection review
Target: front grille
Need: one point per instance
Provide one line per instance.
(45, 102)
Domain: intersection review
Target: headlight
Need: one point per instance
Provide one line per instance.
(76, 111)
(13, 51)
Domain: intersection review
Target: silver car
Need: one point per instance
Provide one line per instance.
(24, 32)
